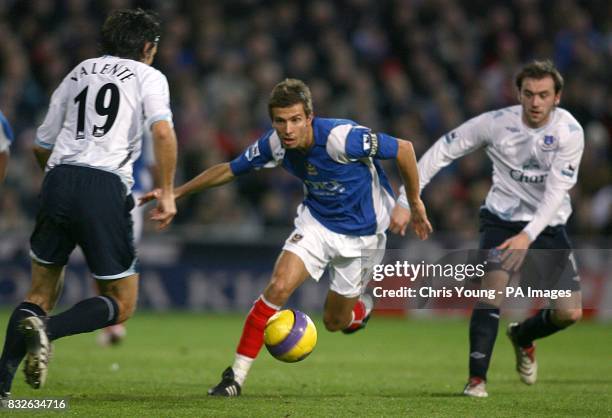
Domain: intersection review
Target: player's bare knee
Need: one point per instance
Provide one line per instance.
(566, 317)
(278, 291)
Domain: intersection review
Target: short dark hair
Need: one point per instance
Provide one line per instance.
(289, 92)
(126, 31)
(538, 70)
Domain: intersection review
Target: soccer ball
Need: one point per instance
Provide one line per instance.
(290, 335)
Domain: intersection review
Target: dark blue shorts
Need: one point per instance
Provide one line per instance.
(89, 208)
(549, 263)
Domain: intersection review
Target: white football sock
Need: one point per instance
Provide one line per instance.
(241, 367)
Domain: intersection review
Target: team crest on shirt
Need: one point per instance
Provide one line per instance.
(252, 151)
(549, 143)
(296, 238)
(311, 169)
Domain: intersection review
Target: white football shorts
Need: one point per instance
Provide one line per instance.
(350, 258)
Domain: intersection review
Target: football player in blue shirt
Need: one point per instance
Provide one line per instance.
(345, 212)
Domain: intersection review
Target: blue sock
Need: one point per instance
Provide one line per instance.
(14, 345)
(86, 316)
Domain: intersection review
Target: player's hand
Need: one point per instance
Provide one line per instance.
(400, 218)
(419, 222)
(515, 251)
(165, 210)
(147, 197)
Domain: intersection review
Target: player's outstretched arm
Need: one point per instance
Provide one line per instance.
(216, 175)
(164, 144)
(407, 164)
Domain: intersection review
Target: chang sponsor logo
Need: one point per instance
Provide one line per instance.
(520, 176)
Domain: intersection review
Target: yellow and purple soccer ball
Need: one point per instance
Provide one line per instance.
(290, 335)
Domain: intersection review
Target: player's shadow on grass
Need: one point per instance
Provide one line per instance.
(443, 395)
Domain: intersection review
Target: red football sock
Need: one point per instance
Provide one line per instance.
(252, 333)
(359, 312)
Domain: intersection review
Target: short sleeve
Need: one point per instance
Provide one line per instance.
(266, 152)
(361, 142)
(156, 98)
(47, 132)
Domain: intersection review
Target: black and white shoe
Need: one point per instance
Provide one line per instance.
(526, 364)
(4, 398)
(228, 385)
(38, 351)
(475, 388)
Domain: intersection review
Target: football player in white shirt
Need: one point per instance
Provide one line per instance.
(6, 137)
(87, 144)
(536, 149)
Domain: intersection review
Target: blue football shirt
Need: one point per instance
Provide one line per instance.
(345, 187)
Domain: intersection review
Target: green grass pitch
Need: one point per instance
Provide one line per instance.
(396, 367)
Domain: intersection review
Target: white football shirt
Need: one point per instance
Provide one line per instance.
(97, 113)
(533, 169)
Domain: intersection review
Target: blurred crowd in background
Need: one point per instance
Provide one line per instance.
(411, 68)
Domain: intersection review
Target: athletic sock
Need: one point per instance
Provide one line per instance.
(359, 312)
(86, 316)
(538, 326)
(242, 365)
(483, 332)
(14, 345)
(252, 338)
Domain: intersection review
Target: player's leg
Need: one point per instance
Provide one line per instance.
(115, 304)
(347, 306)
(564, 312)
(484, 321)
(484, 324)
(51, 245)
(41, 298)
(115, 334)
(99, 221)
(304, 254)
(556, 270)
(347, 314)
(289, 273)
